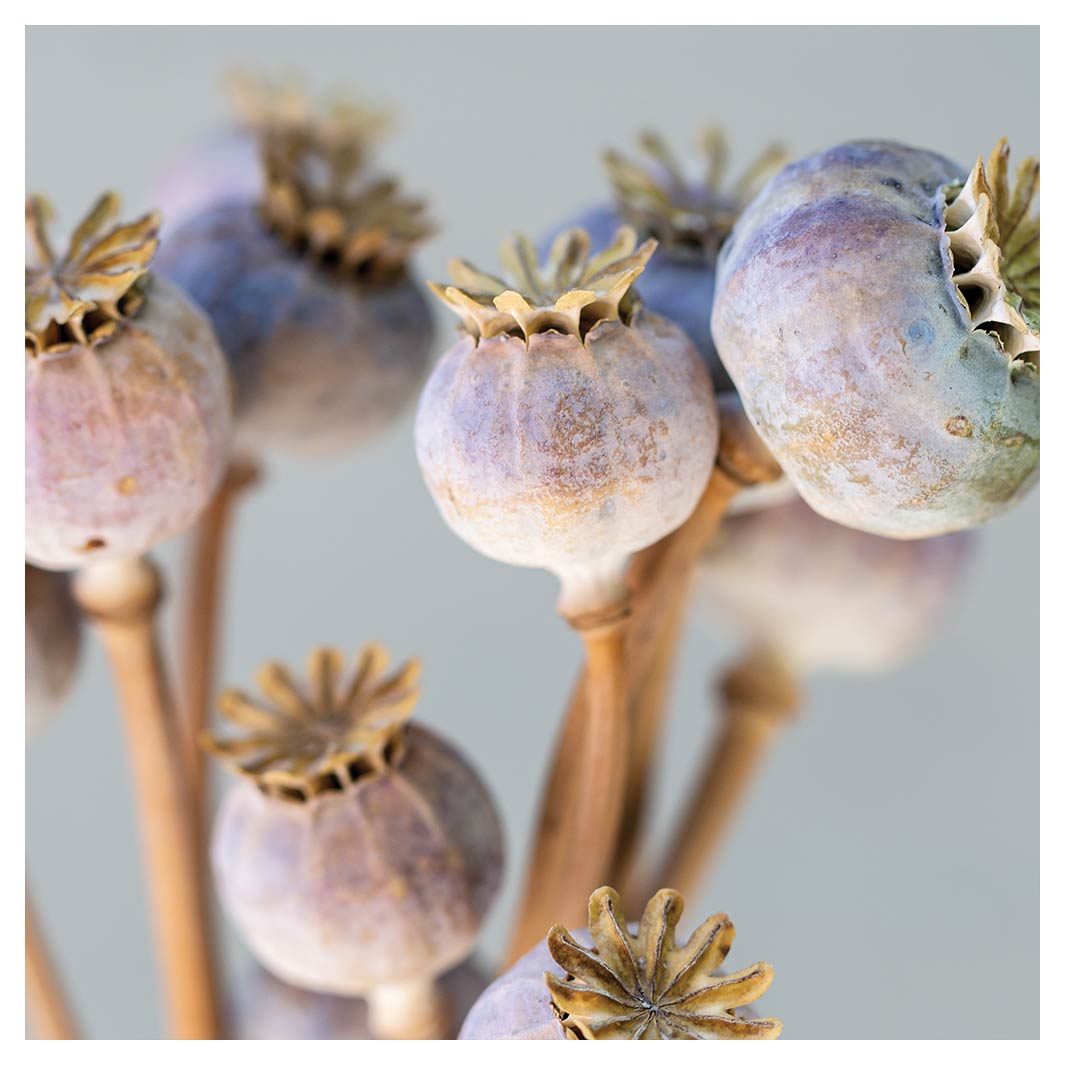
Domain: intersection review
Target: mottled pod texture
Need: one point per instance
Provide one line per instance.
(385, 882)
(126, 440)
(827, 597)
(320, 362)
(838, 320)
(53, 639)
(568, 455)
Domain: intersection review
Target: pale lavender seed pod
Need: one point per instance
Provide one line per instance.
(566, 428)
(878, 314)
(53, 642)
(823, 596)
(128, 403)
(308, 288)
(361, 853)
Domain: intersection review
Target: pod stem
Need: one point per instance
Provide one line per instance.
(49, 1010)
(121, 598)
(660, 577)
(582, 805)
(413, 1009)
(200, 624)
(759, 695)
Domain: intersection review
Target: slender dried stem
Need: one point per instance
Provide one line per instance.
(121, 598)
(200, 627)
(582, 805)
(660, 578)
(759, 695)
(50, 1013)
(415, 1009)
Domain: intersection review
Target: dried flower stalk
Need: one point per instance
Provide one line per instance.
(121, 598)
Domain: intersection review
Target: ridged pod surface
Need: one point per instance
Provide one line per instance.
(383, 882)
(883, 391)
(563, 448)
(823, 596)
(126, 439)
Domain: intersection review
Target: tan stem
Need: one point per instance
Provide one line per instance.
(648, 699)
(200, 624)
(414, 1009)
(660, 578)
(582, 804)
(121, 598)
(759, 696)
(50, 1013)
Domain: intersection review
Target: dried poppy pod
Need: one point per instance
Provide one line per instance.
(566, 428)
(308, 289)
(128, 413)
(879, 314)
(689, 217)
(619, 981)
(225, 165)
(53, 640)
(360, 854)
(823, 596)
(268, 1008)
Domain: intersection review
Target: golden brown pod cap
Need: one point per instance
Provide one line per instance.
(83, 296)
(301, 740)
(571, 293)
(646, 986)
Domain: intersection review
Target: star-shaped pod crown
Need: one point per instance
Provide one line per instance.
(993, 231)
(302, 740)
(571, 293)
(688, 217)
(83, 296)
(645, 986)
(317, 197)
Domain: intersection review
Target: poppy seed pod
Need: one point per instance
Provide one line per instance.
(308, 290)
(53, 640)
(614, 980)
(128, 406)
(823, 596)
(689, 219)
(878, 312)
(360, 854)
(566, 428)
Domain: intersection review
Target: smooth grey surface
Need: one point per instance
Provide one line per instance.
(887, 862)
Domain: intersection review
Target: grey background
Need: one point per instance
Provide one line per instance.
(887, 863)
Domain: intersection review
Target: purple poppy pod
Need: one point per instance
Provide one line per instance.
(878, 312)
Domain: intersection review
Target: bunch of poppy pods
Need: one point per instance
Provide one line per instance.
(788, 399)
